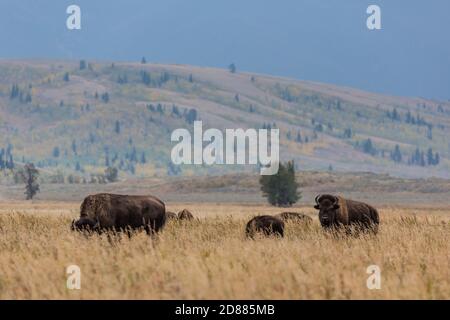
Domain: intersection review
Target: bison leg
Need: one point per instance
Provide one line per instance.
(129, 231)
(148, 229)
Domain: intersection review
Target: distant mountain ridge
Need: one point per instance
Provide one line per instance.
(75, 118)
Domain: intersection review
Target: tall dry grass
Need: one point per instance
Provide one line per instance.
(211, 259)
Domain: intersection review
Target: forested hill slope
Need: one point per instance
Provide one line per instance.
(75, 118)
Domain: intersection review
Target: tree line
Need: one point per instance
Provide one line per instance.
(6, 158)
(23, 95)
(418, 157)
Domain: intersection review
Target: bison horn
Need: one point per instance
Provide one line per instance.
(336, 200)
(317, 198)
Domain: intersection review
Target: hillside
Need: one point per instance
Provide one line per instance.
(74, 119)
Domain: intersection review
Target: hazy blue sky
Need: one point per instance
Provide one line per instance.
(326, 40)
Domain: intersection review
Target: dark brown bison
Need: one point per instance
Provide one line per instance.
(171, 215)
(102, 212)
(185, 215)
(336, 211)
(294, 216)
(268, 225)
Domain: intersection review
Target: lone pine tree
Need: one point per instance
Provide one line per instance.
(281, 189)
(30, 175)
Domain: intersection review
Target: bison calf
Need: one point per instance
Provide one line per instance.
(121, 212)
(337, 211)
(268, 225)
(185, 215)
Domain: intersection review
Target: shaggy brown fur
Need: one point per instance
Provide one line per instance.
(267, 225)
(106, 211)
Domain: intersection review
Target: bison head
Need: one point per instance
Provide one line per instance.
(84, 223)
(328, 209)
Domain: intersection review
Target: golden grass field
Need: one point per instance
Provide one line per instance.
(211, 259)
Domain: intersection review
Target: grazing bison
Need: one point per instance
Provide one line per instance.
(171, 215)
(84, 223)
(268, 225)
(185, 215)
(294, 216)
(116, 212)
(337, 211)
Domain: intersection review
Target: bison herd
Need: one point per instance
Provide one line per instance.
(113, 212)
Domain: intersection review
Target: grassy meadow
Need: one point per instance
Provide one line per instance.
(210, 258)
